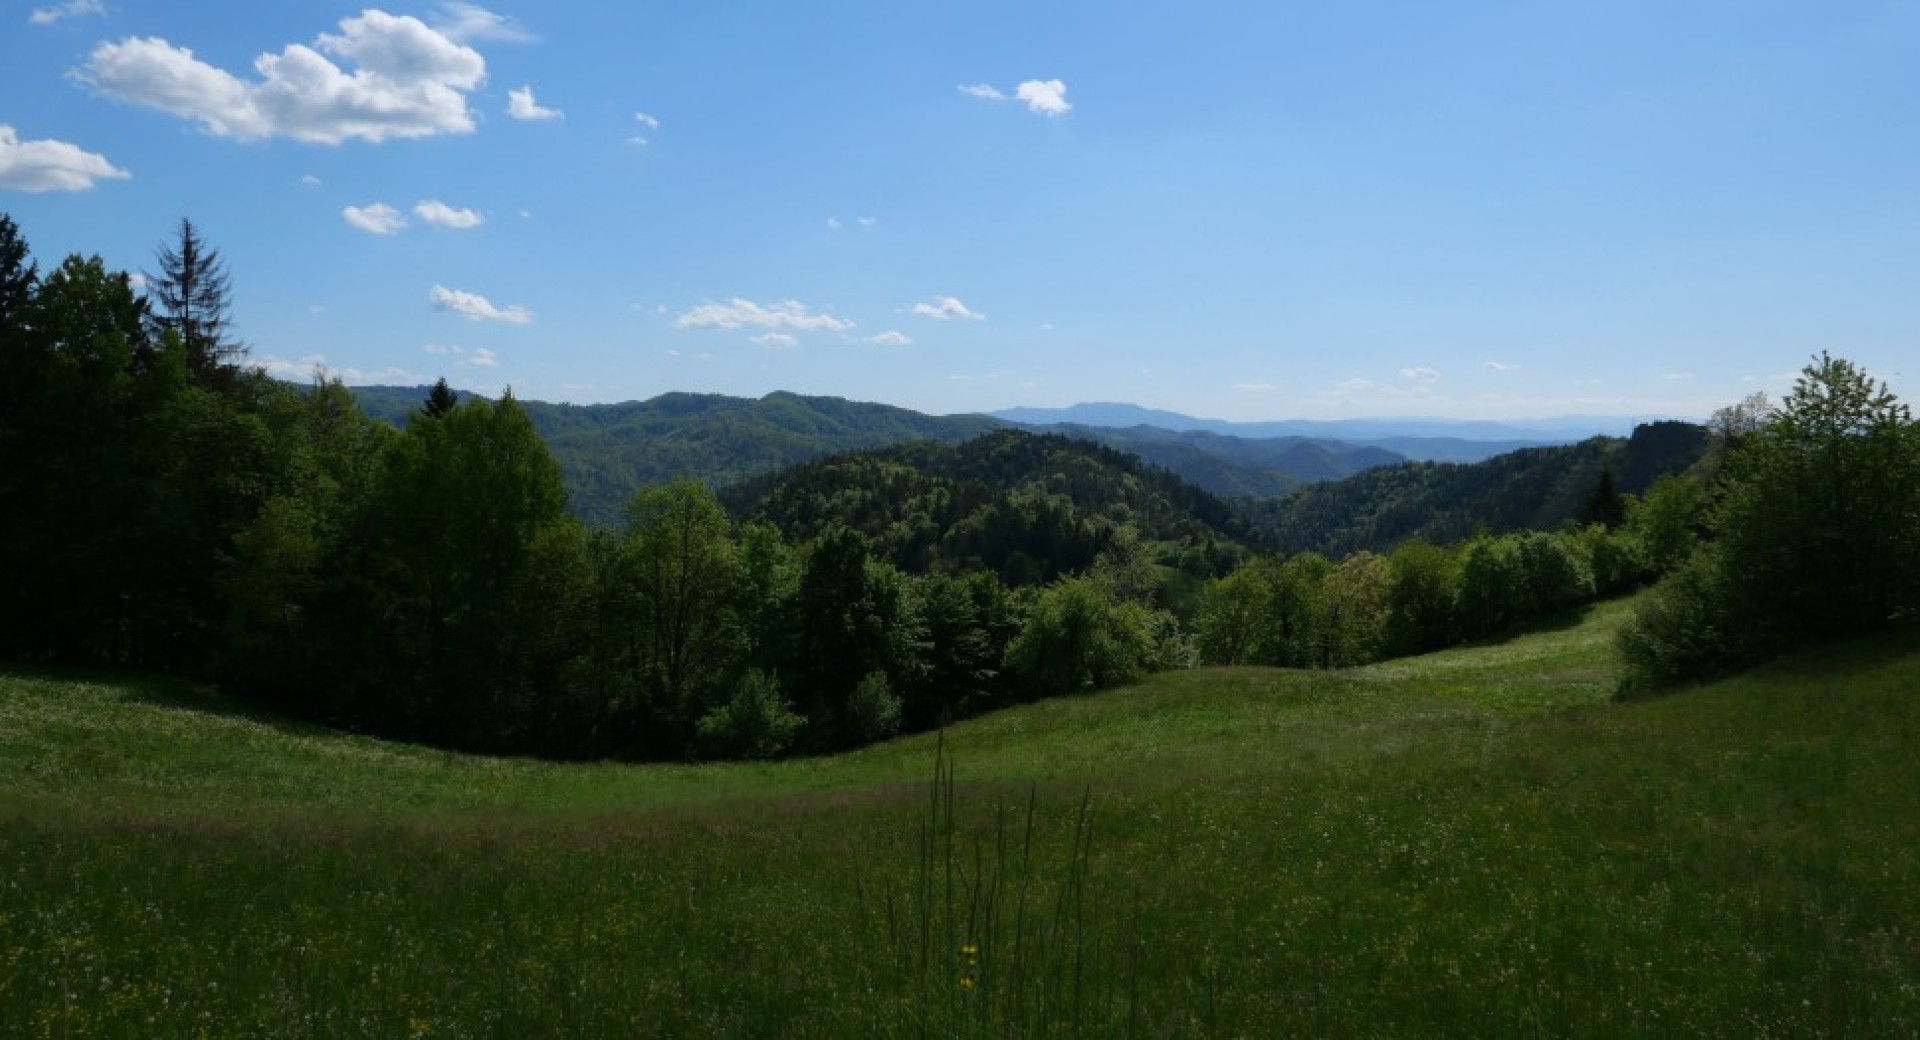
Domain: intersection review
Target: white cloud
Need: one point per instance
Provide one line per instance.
(945, 307)
(869, 221)
(1048, 97)
(1045, 96)
(463, 22)
(481, 358)
(646, 120)
(1420, 375)
(49, 165)
(1253, 388)
(637, 141)
(138, 280)
(736, 313)
(310, 180)
(475, 307)
(379, 218)
(433, 211)
(1501, 366)
(316, 364)
(774, 340)
(891, 338)
(408, 80)
(833, 224)
(67, 9)
(484, 358)
(1354, 386)
(521, 105)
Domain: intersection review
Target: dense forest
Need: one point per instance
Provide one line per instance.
(1530, 489)
(1027, 507)
(165, 506)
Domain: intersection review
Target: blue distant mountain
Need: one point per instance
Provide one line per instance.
(1431, 440)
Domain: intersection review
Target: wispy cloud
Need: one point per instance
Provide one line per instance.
(521, 105)
(378, 219)
(739, 313)
(68, 9)
(433, 211)
(49, 165)
(891, 338)
(1502, 366)
(944, 308)
(774, 340)
(475, 307)
(1420, 375)
(1253, 387)
(464, 22)
(406, 80)
(481, 358)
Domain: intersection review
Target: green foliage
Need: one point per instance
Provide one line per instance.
(1076, 639)
(754, 723)
(1421, 594)
(1668, 521)
(1815, 535)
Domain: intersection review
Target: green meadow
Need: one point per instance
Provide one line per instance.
(1478, 842)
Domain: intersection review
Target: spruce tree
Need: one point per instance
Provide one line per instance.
(189, 297)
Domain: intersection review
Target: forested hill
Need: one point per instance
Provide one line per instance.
(1534, 488)
(1028, 507)
(606, 452)
(1237, 467)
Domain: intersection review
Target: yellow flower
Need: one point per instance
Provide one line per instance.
(967, 982)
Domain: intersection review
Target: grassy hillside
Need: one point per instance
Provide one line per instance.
(1471, 843)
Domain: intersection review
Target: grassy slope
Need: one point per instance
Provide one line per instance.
(1471, 843)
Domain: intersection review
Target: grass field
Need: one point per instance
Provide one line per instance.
(1473, 843)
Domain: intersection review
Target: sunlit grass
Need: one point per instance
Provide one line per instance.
(1472, 843)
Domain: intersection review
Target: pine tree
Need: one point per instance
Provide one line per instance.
(440, 400)
(190, 300)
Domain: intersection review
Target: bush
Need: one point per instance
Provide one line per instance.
(873, 712)
(755, 723)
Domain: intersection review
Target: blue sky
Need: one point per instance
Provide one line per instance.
(1237, 210)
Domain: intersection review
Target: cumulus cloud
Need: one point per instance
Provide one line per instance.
(774, 340)
(407, 80)
(464, 22)
(1045, 96)
(378, 219)
(315, 366)
(433, 211)
(475, 307)
(69, 9)
(891, 338)
(1048, 97)
(1420, 375)
(738, 313)
(521, 105)
(945, 307)
(49, 165)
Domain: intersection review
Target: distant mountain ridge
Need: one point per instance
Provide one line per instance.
(1436, 440)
